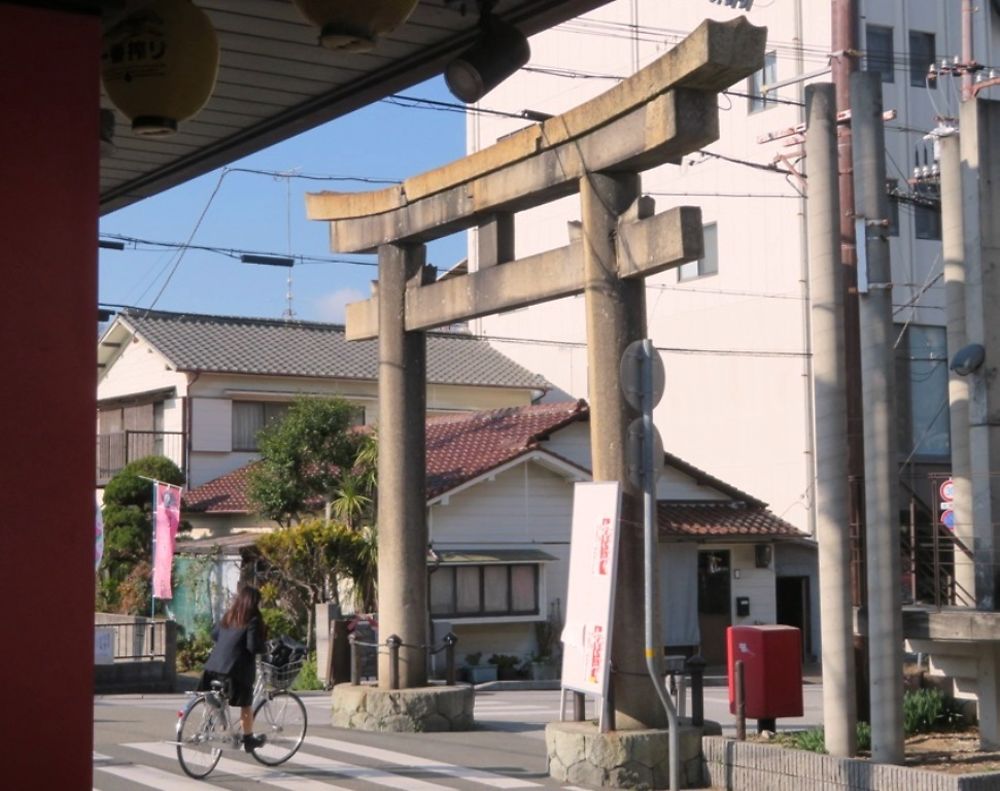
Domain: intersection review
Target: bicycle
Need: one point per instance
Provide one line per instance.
(205, 727)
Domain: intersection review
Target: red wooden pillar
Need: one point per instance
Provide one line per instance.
(49, 159)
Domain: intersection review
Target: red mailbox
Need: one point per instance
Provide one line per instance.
(772, 670)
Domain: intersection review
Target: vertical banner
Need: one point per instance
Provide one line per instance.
(166, 517)
(98, 538)
(593, 563)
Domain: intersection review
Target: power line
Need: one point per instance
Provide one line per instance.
(232, 252)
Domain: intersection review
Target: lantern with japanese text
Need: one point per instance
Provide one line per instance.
(159, 65)
(355, 26)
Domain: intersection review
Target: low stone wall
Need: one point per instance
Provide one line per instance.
(748, 766)
(579, 753)
(137, 655)
(421, 709)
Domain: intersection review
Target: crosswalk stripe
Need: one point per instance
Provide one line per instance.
(403, 759)
(157, 778)
(366, 773)
(246, 769)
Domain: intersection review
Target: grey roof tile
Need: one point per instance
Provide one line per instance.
(226, 344)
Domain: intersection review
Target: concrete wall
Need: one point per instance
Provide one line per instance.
(747, 766)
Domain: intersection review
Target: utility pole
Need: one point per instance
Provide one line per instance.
(967, 50)
(831, 500)
(844, 63)
(885, 624)
(953, 252)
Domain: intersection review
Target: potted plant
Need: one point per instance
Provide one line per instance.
(506, 665)
(476, 673)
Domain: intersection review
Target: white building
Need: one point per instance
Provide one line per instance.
(499, 513)
(198, 388)
(733, 328)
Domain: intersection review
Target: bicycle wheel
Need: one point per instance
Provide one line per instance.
(199, 734)
(281, 717)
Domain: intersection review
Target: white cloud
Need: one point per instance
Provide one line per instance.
(331, 307)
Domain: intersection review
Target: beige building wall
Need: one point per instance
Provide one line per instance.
(735, 344)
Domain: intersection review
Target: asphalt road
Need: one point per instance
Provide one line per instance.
(132, 749)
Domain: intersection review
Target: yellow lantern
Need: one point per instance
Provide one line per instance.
(355, 25)
(159, 65)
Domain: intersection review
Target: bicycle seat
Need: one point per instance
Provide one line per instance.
(218, 686)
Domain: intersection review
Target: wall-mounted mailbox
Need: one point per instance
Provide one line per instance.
(742, 606)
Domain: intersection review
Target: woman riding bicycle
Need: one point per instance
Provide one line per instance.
(239, 636)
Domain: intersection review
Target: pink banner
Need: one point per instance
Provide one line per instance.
(165, 520)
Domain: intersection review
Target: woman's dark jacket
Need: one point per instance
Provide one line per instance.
(234, 650)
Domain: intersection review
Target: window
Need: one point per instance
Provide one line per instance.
(922, 392)
(927, 218)
(879, 57)
(486, 590)
(755, 85)
(249, 417)
(921, 57)
(708, 264)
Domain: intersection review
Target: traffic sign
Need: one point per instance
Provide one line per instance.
(947, 490)
(948, 519)
(636, 356)
(633, 452)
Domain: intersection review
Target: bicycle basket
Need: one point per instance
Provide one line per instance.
(281, 676)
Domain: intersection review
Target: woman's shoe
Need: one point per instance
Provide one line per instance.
(252, 741)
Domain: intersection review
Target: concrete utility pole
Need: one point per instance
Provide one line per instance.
(402, 518)
(885, 625)
(980, 125)
(832, 520)
(616, 316)
(953, 250)
(844, 43)
(967, 49)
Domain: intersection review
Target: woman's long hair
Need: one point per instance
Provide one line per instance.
(244, 607)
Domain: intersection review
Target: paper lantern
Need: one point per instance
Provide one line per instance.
(159, 65)
(355, 25)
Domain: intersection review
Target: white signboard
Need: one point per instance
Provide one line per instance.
(593, 562)
(104, 646)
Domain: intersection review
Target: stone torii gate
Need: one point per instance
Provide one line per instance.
(666, 110)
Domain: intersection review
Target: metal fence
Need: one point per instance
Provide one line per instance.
(136, 639)
(117, 449)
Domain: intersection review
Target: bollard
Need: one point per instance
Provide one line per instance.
(394, 642)
(579, 707)
(741, 714)
(355, 660)
(696, 669)
(449, 658)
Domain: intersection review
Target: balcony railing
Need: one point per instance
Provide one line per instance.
(117, 449)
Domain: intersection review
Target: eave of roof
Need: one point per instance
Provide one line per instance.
(274, 347)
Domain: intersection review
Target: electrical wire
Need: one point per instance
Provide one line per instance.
(183, 251)
(232, 252)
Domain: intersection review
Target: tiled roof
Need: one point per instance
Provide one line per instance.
(224, 495)
(225, 344)
(720, 519)
(461, 448)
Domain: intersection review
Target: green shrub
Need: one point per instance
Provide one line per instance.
(864, 736)
(279, 623)
(926, 710)
(308, 678)
(811, 741)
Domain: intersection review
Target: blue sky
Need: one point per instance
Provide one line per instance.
(251, 212)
